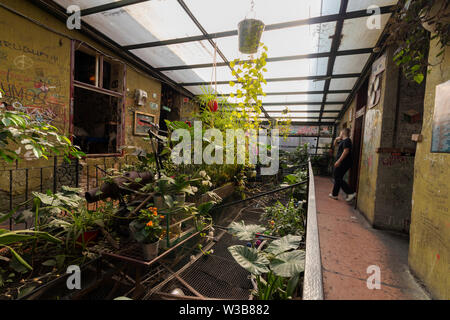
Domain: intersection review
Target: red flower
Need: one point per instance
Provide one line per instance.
(188, 123)
(213, 105)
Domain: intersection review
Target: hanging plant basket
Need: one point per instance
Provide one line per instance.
(250, 31)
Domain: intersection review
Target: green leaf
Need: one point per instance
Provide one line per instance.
(25, 291)
(284, 244)
(49, 263)
(419, 78)
(243, 232)
(168, 200)
(292, 285)
(5, 217)
(250, 259)
(19, 259)
(289, 264)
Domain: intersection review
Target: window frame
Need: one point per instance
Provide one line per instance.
(120, 141)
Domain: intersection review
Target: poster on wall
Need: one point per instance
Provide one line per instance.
(141, 125)
(441, 119)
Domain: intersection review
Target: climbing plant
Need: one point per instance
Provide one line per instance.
(407, 31)
(20, 136)
(250, 77)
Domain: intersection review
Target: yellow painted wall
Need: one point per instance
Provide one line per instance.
(35, 75)
(429, 250)
(369, 157)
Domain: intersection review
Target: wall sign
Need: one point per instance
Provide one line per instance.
(140, 123)
(441, 120)
(374, 93)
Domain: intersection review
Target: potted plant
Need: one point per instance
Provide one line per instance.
(181, 187)
(163, 188)
(250, 31)
(409, 32)
(80, 227)
(147, 230)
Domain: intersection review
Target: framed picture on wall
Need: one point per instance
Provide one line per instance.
(440, 141)
(141, 125)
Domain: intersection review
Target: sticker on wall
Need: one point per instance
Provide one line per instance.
(153, 106)
(441, 119)
(374, 93)
(142, 123)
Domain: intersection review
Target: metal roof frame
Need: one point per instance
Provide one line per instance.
(339, 18)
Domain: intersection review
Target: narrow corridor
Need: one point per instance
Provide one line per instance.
(349, 245)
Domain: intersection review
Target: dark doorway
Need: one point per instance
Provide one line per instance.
(361, 101)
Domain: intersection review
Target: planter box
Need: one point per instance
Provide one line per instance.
(224, 191)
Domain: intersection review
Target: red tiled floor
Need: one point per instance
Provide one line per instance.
(349, 245)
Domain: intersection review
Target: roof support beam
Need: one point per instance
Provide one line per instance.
(317, 78)
(301, 103)
(296, 23)
(274, 59)
(305, 111)
(60, 13)
(110, 6)
(334, 49)
(290, 93)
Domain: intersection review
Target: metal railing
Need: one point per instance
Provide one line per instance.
(18, 184)
(313, 281)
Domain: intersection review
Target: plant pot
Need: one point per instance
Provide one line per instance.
(88, 236)
(150, 250)
(439, 5)
(180, 199)
(250, 31)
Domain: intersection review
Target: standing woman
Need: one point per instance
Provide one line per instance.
(342, 165)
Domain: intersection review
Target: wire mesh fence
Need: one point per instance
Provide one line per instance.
(18, 184)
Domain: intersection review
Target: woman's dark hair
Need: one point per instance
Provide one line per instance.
(346, 131)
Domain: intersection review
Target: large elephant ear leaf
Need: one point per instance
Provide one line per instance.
(289, 264)
(250, 259)
(284, 244)
(243, 232)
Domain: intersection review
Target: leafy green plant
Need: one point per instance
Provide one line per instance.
(413, 40)
(19, 134)
(276, 269)
(250, 77)
(9, 238)
(282, 220)
(147, 227)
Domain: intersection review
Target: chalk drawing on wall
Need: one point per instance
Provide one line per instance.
(23, 62)
(441, 119)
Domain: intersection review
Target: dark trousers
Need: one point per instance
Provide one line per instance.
(339, 182)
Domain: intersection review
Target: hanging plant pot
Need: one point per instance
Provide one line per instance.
(438, 6)
(250, 31)
(150, 250)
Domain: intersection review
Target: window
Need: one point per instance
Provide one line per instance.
(98, 101)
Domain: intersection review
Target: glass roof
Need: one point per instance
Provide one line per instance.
(177, 38)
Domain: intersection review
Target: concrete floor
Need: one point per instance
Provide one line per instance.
(349, 245)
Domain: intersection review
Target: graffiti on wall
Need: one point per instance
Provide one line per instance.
(30, 83)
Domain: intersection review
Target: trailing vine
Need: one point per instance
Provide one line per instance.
(407, 31)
